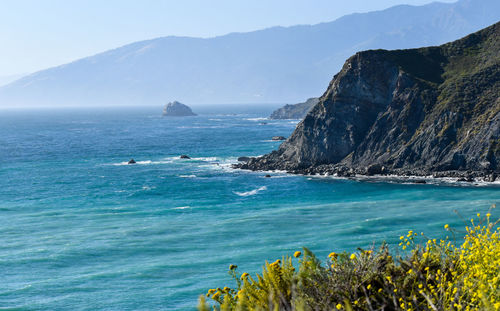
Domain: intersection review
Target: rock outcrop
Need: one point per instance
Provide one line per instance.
(278, 138)
(433, 110)
(296, 111)
(176, 109)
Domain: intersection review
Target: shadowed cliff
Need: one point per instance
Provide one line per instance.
(415, 111)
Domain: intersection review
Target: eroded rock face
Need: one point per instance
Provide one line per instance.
(421, 110)
(176, 109)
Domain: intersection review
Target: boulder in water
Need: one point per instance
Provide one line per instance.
(132, 161)
(185, 156)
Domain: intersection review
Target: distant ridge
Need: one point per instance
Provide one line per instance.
(272, 65)
(428, 111)
(295, 111)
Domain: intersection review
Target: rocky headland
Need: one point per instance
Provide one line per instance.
(176, 109)
(295, 111)
(431, 111)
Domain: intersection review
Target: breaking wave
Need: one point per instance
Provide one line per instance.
(251, 192)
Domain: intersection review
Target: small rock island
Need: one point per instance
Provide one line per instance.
(176, 109)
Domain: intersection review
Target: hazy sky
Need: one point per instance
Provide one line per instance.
(37, 34)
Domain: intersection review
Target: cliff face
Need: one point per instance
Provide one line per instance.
(296, 111)
(419, 111)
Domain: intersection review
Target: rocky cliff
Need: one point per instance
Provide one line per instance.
(432, 110)
(296, 111)
(176, 109)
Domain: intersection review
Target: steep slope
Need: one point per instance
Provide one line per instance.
(295, 111)
(272, 65)
(417, 111)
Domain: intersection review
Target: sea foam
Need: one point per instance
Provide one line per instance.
(251, 192)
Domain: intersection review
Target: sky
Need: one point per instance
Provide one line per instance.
(36, 34)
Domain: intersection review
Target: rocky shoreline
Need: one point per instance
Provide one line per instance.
(337, 170)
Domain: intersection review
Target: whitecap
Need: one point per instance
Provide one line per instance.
(187, 176)
(206, 159)
(182, 207)
(251, 192)
(256, 119)
(138, 162)
(147, 162)
(121, 163)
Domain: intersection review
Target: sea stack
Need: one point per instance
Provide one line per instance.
(176, 109)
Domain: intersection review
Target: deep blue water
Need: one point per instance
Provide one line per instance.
(81, 230)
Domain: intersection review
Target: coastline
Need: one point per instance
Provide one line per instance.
(380, 173)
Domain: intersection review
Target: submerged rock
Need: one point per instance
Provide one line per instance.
(132, 161)
(244, 159)
(176, 109)
(184, 156)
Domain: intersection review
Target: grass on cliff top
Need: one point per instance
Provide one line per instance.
(433, 275)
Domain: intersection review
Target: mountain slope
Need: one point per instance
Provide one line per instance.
(417, 111)
(272, 65)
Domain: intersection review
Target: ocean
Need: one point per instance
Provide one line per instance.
(80, 229)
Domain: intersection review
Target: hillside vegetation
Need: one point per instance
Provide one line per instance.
(430, 275)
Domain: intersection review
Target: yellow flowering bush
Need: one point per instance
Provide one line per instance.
(432, 275)
(479, 266)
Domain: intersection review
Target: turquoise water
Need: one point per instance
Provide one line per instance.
(81, 230)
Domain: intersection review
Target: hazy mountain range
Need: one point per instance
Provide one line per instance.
(4, 80)
(273, 65)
